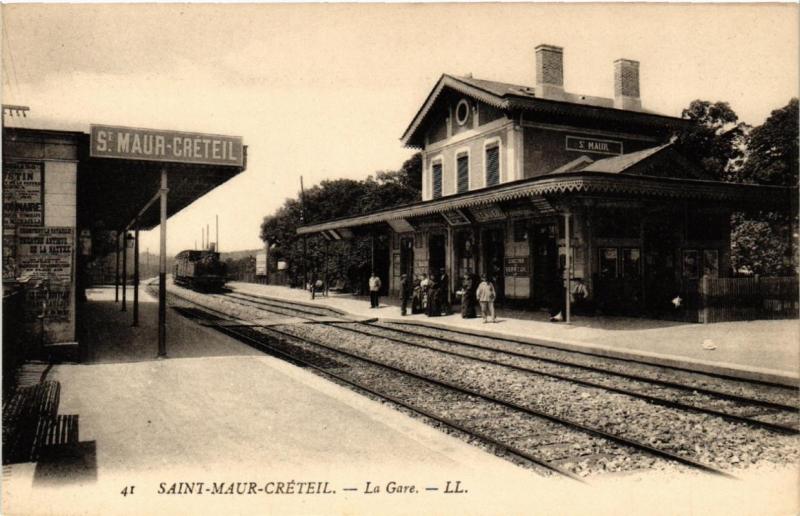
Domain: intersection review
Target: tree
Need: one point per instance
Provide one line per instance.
(715, 139)
(760, 243)
(773, 149)
(332, 199)
(763, 242)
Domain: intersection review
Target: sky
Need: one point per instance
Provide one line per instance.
(325, 91)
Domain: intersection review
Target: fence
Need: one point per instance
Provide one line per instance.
(740, 299)
(275, 278)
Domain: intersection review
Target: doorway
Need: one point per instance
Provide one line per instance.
(437, 253)
(544, 252)
(493, 244)
(407, 256)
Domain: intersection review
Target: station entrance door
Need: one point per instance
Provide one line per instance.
(407, 256)
(437, 252)
(544, 253)
(493, 244)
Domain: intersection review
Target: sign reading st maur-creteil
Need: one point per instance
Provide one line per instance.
(156, 145)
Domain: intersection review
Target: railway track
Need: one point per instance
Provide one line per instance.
(771, 415)
(599, 455)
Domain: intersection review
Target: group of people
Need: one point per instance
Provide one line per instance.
(481, 293)
(427, 294)
(430, 294)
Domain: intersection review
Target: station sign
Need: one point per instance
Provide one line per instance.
(118, 142)
(517, 266)
(595, 145)
(261, 263)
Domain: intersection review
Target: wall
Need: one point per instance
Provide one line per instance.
(41, 252)
(545, 149)
(474, 142)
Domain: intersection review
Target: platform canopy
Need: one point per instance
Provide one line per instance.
(115, 191)
(656, 174)
(122, 174)
(120, 168)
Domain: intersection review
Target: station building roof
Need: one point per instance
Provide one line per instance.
(513, 98)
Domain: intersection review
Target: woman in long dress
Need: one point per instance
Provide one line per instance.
(434, 307)
(468, 297)
(416, 299)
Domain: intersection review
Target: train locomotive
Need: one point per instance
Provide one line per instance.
(199, 270)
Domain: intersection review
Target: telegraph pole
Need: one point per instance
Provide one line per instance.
(305, 240)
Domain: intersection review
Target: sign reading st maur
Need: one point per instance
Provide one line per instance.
(579, 143)
(156, 145)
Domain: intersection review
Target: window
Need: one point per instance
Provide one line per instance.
(462, 170)
(436, 174)
(631, 262)
(608, 262)
(691, 264)
(520, 231)
(492, 165)
(462, 112)
(711, 263)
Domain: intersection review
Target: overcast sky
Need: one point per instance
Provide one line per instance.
(325, 91)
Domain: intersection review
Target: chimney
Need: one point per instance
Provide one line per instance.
(626, 85)
(550, 72)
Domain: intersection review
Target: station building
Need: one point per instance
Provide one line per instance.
(72, 197)
(515, 177)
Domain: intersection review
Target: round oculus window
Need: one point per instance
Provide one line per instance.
(462, 112)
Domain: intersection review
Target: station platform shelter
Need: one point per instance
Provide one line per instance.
(71, 198)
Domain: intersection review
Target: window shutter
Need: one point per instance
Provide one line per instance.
(437, 180)
(463, 173)
(492, 166)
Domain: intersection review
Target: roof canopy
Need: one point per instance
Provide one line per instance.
(651, 174)
(111, 191)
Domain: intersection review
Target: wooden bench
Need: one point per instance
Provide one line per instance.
(31, 421)
(338, 286)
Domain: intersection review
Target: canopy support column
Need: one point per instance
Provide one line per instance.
(325, 284)
(567, 266)
(136, 276)
(124, 269)
(162, 270)
(116, 270)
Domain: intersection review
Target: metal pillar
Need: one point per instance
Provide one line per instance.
(162, 270)
(116, 271)
(567, 268)
(325, 285)
(124, 269)
(136, 276)
(372, 252)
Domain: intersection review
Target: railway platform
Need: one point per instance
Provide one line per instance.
(762, 350)
(218, 411)
(218, 428)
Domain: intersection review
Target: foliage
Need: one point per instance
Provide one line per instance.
(729, 150)
(773, 149)
(760, 244)
(348, 260)
(715, 139)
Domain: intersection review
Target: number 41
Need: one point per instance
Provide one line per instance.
(127, 490)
